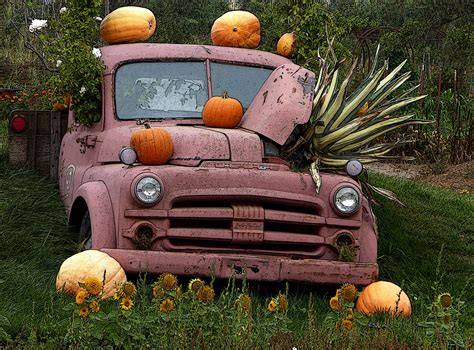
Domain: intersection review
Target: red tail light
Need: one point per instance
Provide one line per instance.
(18, 123)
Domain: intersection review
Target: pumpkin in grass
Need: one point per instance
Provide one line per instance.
(128, 24)
(154, 146)
(222, 112)
(383, 296)
(286, 45)
(236, 29)
(90, 263)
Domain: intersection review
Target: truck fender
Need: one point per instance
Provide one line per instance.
(94, 196)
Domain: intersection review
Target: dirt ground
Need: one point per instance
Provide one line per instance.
(459, 178)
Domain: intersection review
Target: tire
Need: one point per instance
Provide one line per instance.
(85, 233)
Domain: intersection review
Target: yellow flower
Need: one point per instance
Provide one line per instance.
(338, 324)
(81, 296)
(167, 306)
(445, 300)
(347, 324)
(158, 292)
(195, 285)
(126, 304)
(84, 311)
(168, 281)
(129, 289)
(93, 285)
(350, 314)
(334, 303)
(244, 301)
(206, 294)
(282, 302)
(94, 306)
(349, 291)
(272, 306)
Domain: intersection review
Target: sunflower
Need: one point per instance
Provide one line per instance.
(84, 311)
(167, 306)
(334, 303)
(445, 300)
(350, 314)
(93, 285)
(447, 318)
(81, 296)
(129, 289)
(347, 324)
(338, 324)
(272, 306)
(158, 291)
(126, 304)
(94, 306)
(206, 294)
(349, 291)
(282, 302)
(168, 281)
(244, 302)
(195, 285)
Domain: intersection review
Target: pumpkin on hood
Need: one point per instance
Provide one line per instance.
(222, 112)
(154, 146)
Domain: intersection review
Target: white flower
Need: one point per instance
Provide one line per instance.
(62, 10)
(59, 63)
(96, 52)
(83, 89)
(98, 18)
(38, 24)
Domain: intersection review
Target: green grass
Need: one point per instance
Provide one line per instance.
(426, 247)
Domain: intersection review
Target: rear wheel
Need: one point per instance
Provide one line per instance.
(85, 233)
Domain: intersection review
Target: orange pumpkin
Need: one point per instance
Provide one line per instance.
(286, 45)
(236, 29)
(222, 112)
(90, 263)
(383, 296)
(67, 99)
(153, 145)
(128, 24)
(59, 106)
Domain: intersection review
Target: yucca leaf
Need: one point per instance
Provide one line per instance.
(399, 105)
(329, 94)
(390, 76)
(388, 90)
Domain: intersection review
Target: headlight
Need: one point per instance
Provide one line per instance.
(346, 200)
(148, 190)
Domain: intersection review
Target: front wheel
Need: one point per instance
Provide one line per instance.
(85, 233)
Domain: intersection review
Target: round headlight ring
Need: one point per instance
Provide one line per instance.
(346, 200)
(148, 190)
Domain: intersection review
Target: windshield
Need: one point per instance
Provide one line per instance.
(180, 89)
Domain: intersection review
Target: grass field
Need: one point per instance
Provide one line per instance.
(426, 247)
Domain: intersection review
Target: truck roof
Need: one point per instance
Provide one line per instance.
(113, 55)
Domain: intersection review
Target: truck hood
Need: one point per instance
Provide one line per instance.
(192, 144)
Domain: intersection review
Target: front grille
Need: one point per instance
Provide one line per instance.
(249, 225)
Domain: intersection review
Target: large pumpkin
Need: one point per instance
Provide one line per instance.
(90, 263)
(286, 45)
(236, 29)
(222, 112)
(383, 296)
(153, 145)
(128, 24)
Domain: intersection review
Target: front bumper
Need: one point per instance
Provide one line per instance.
(252, 267)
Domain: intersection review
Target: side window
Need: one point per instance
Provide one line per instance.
(241, 82)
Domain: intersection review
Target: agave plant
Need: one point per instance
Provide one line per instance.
(344, 126)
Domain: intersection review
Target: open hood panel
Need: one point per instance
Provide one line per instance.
(284, 101)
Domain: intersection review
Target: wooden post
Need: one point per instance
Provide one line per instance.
(438, 111)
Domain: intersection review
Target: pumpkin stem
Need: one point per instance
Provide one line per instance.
(147, 126)
(225, 94)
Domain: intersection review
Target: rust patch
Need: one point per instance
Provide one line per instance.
(265, 97)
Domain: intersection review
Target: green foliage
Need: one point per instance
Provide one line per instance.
(80, 71)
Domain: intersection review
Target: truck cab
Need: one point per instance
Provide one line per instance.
(226, 203)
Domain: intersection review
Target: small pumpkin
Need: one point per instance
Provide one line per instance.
(67, 99)
(90, 263)
(154, 146)
(222, 112)
(59, 106)
(363, 109)
(383, 296)
(286, 45)
(236, 29)
(128, 24)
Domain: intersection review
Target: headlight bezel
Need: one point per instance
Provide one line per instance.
(336, 191)
(135, 190)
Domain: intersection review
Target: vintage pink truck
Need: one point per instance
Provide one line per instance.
(226, 203)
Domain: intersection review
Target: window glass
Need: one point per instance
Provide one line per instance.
(161, 90)
(240, 82)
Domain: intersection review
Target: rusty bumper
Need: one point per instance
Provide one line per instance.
(254, 268)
